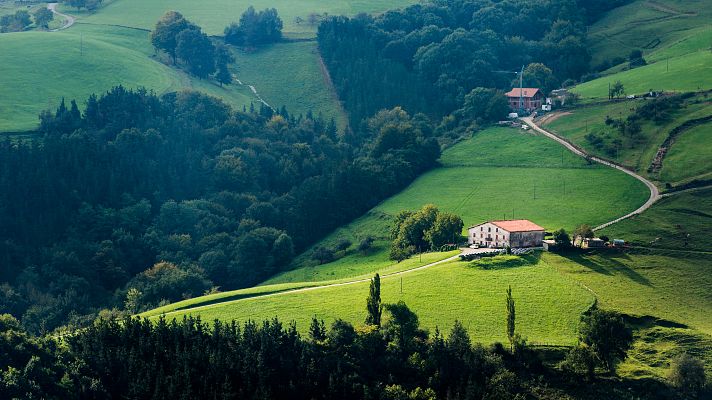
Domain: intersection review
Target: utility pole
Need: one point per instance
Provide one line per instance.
(521, 91)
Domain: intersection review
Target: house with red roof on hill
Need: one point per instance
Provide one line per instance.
(531, 98)
(515, 233)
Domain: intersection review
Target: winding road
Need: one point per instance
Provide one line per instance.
(654, 192)
(68, 19)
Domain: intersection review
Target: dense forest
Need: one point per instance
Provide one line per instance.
(428, 57)
(143, 199)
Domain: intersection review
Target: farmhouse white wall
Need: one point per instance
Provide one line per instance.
(491, 235)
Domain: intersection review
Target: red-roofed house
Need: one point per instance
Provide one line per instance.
(513, 233)
(532, 99)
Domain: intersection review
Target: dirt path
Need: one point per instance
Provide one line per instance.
(654, 192)
(68, 19)
(310, 288)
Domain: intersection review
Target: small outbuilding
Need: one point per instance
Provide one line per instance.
(593, 243)
(506, 233)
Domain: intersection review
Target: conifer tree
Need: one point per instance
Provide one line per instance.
(373, 302)
(510, 317)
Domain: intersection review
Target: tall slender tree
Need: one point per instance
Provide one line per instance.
(373, 302)
(510, 317)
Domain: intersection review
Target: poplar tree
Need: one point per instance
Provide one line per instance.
(510, 317)
(373, 302)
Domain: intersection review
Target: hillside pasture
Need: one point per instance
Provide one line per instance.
(499, 173)
(681, 221)
(548, 305)
(684, 160)
(687, 73)
(689, 156)
(666, 296)
(290, 74)
(650, 26)
(215, 15)
(66, 71)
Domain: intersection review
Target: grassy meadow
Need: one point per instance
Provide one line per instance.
(666, 294)
(684, 161)
(681, 221)
(499, 173)
(215, 15)
(687, 73)
(689, 156)
(648, 26)
(284, 74)
(26, 89)
(290, 74)
(548, 304)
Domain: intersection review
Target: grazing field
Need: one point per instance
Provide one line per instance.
(683, 162)
(681, 221)
(648, 26)
(25, 90)
(284, 74)
(548, 304)
(215, 15)
(290, 74)
(689, 157)
(668, 296)
(499, 172)
(84, 60)
(687, 73)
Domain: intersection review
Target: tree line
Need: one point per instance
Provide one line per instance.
(173, 196)
(389, 358)
(429, 57)
(192, 49)
(22, 19)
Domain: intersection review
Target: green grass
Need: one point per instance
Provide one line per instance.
(670, 288)
(283, 283)
(215, 15)
(689, 156)
(642, 22)
(25, 89)
(503, 172)
(290, 74)
(358, 265)
(284, 74)
(669, 222)
(691, 72)
(499, 172)
(548, 305)
(686, 158)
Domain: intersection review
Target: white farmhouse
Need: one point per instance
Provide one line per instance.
(513, 233)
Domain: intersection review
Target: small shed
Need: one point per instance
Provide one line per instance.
(592, 243)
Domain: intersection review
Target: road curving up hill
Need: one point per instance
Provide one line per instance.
(654, 192)
(68, 19)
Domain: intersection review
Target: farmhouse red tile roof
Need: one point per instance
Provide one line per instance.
(518, 225)
(527, 92)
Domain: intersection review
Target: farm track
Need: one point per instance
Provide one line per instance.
(69, 20)
(654, 192)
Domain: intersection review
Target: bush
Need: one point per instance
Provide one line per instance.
(342, 244)
(323, 255)
(580, 362)
(687, 374)
(365, 244)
